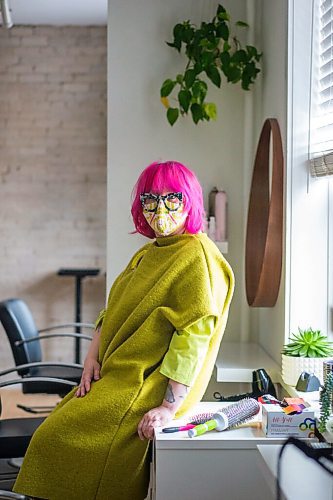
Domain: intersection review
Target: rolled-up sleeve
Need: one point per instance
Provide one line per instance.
(187, 351)
(100, 319)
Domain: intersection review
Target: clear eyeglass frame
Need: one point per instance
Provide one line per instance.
(168, 201)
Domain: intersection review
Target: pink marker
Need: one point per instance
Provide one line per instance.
(177, 429)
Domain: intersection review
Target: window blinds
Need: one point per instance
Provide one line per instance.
(321, 128)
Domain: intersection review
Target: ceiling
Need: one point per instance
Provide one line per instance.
(59, 12)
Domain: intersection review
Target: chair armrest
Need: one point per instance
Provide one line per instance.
(10, 495)
(39, 363)
(37, 379)
(50, 335)
(66, 325)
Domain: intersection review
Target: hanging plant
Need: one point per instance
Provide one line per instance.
(211, 52)
(325, 401)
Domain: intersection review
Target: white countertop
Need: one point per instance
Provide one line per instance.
(248, 435)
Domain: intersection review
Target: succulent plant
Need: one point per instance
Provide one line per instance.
(308, 344)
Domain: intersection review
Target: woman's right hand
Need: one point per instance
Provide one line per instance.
(91, 371)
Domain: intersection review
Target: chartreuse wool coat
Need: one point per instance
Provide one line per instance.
(88, 448)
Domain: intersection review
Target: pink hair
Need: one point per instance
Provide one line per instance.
(169, 176)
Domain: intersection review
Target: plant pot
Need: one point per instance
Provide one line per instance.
(293, 366)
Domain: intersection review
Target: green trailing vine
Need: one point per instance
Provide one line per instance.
(325, 399)
(214, 53)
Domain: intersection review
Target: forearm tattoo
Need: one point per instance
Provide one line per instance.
(169, 396)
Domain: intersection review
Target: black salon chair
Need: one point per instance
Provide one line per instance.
(24, 339)
(15, 436)
(9, 495)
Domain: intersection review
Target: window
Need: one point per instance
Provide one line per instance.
(321, 129)
(321, 124)
(309, 201)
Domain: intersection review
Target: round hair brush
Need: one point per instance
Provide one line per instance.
(201, 418)
(230, 416)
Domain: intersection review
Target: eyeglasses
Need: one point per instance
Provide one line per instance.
(172, 201)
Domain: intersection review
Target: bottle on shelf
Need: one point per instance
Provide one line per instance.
(221, 207)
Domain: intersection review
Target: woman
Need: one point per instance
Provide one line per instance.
(151, 357)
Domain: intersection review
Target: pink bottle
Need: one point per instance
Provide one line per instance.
(221, 207)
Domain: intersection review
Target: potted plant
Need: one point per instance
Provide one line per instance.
(211, 53)
(306, 352)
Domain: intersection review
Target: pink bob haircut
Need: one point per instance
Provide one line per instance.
(172, 177)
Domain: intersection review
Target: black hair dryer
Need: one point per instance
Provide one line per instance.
(261, 384)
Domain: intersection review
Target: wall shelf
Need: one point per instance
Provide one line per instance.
(237, 360)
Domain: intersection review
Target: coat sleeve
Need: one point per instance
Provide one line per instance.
(100, 319)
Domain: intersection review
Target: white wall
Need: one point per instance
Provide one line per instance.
(221, 153)
(268, 324)
(138, 132)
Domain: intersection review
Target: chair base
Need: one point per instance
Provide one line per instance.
(16, 462)
(8, 474)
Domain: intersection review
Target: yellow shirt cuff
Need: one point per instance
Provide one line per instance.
(187, 350)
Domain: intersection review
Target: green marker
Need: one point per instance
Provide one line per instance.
(219, 422)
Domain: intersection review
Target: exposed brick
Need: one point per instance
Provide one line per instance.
(31, 78)
(34, 41)
(8, 78)
(75, 87)
(6, 41)
(23, 31)
(52, 172)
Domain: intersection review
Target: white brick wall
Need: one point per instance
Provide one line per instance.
(52, 172)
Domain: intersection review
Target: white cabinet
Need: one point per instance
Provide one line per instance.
(301, 477)
(216, 465)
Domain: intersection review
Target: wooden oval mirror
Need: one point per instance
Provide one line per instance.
(264, 236)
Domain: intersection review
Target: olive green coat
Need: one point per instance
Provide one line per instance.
(88, 448)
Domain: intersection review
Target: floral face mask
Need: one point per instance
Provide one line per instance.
(164, 213)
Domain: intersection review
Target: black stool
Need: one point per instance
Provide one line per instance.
(79, 274)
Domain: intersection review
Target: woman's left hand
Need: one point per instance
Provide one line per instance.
(157, 417)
